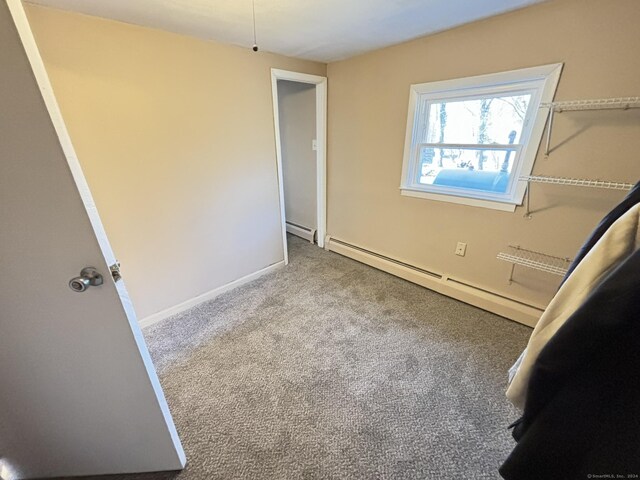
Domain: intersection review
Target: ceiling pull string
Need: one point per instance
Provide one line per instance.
(255, 43)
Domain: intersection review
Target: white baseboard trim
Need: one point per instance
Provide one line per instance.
(512, 309)
(181, 307)
(308, 234)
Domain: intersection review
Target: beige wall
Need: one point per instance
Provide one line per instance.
(368, 98)
(297, 111)
(175, 136)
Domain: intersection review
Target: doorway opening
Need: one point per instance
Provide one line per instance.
(299, 112)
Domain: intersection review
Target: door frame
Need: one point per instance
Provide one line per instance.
(321, 152)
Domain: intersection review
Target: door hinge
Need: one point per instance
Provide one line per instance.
(115, 271)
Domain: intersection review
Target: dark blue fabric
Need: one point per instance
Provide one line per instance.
(632, 198)
(582, 410)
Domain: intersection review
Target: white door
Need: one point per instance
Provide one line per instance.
(78, 392)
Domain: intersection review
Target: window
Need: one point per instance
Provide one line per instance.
(468, 140)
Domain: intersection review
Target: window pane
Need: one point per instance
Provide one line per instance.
(467, 168)
(482, 121)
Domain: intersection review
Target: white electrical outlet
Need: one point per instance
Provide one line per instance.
(461, 249)
(314, 145)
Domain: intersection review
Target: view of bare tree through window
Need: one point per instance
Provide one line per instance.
(478, 137)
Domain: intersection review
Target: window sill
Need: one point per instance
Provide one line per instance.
(472, 202)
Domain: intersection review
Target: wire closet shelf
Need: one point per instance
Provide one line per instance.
(573, 182)
(577, 182)
(541, 261)
(595, 104)
(535, 260)
(623, 103)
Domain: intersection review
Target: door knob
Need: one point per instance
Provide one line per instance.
(89, 277)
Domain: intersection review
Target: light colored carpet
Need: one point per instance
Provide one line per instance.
(329, 369)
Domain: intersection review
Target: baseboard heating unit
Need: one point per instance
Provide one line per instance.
(308, 234)
(510, 308)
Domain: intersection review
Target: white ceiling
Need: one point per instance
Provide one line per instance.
(322, 30)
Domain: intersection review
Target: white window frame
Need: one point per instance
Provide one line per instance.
(541, 82)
